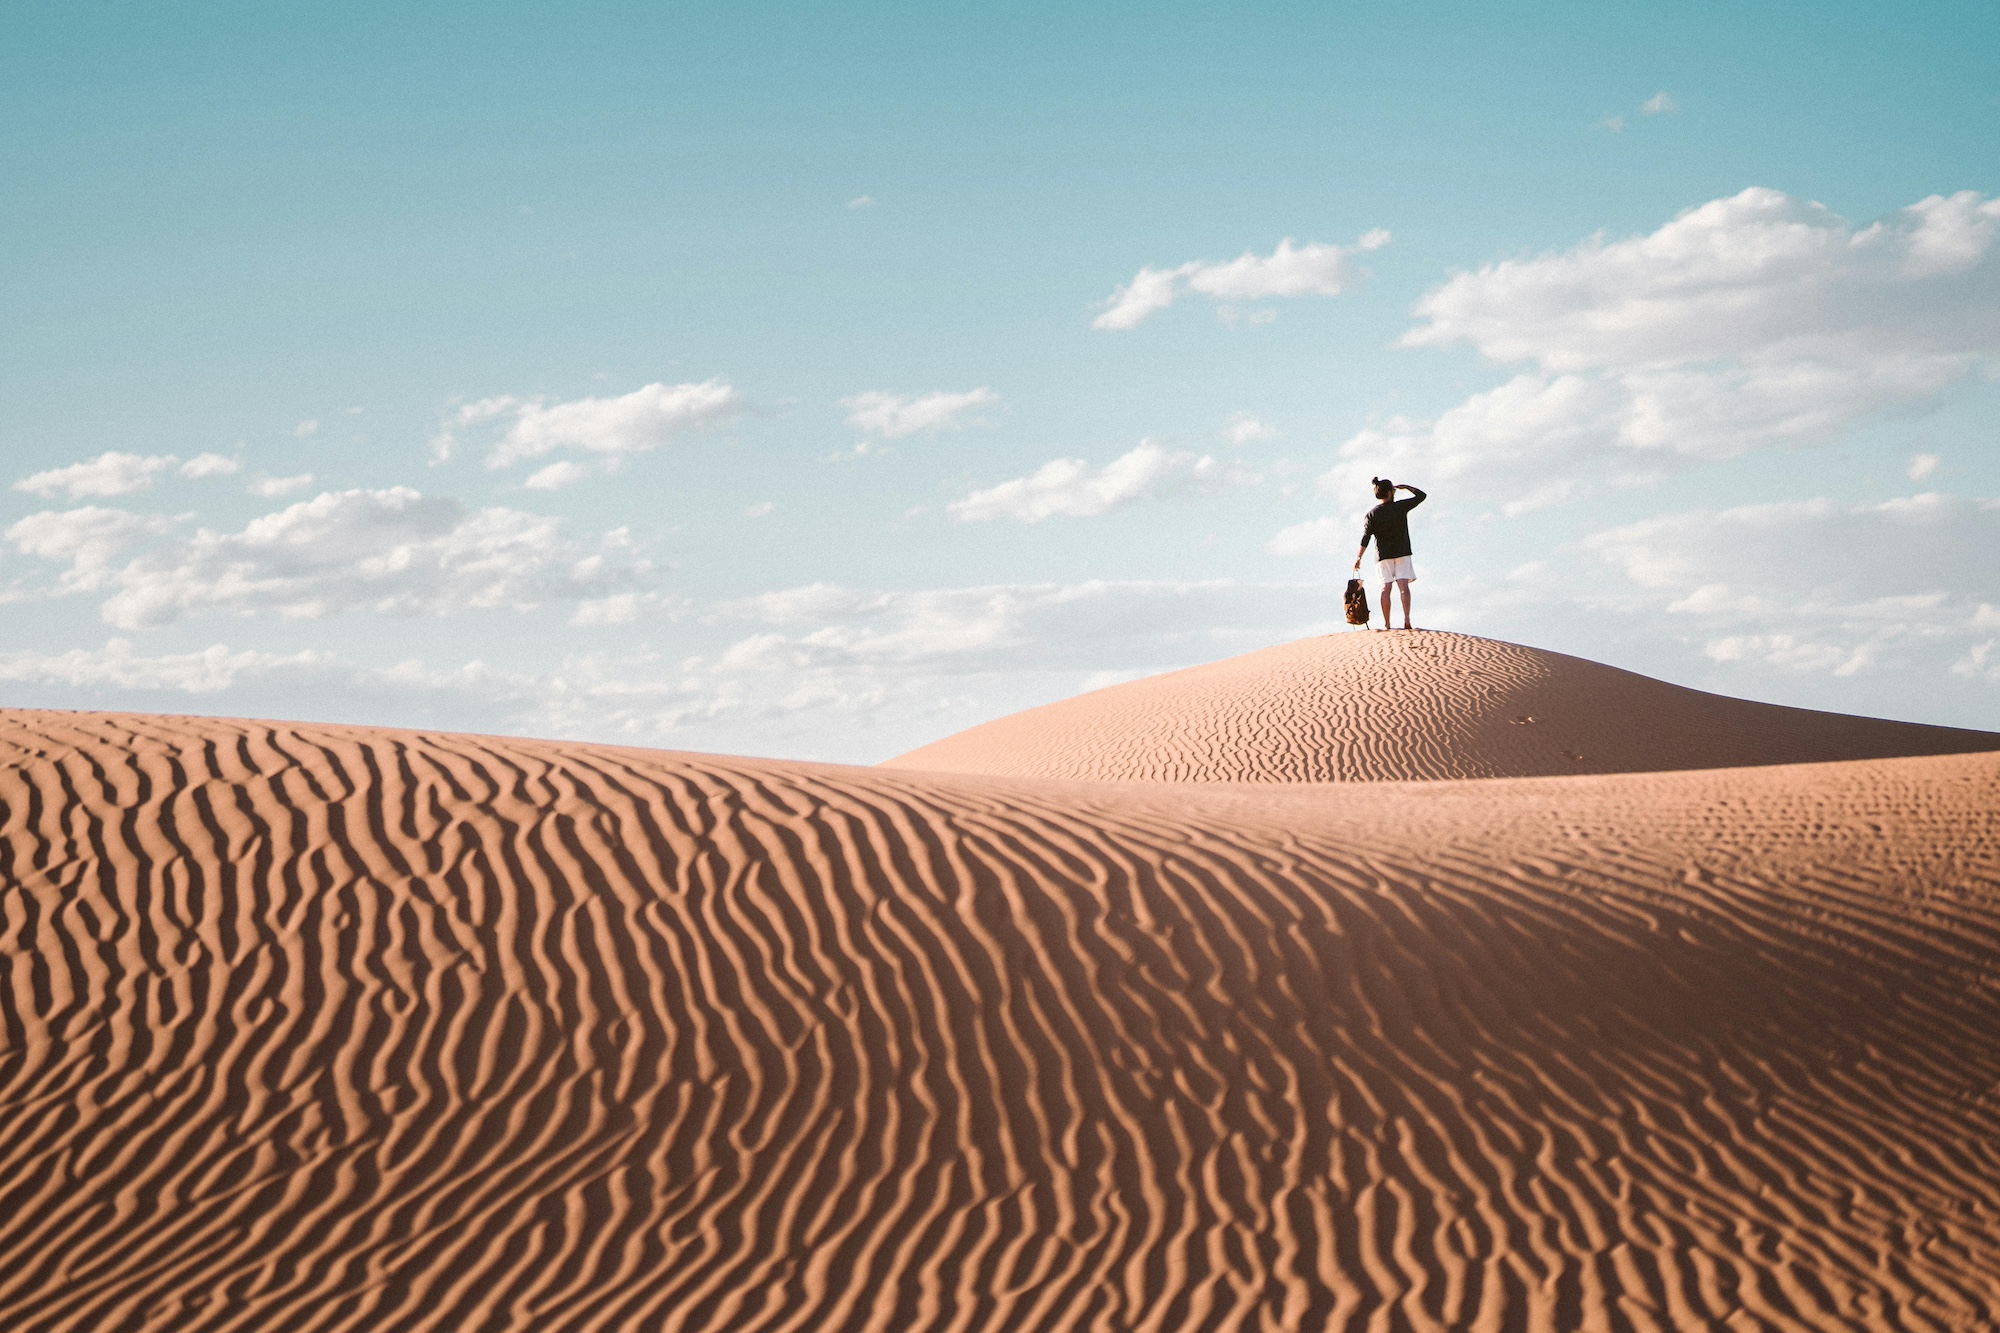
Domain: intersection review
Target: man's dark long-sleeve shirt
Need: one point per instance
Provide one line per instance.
(1389, 525)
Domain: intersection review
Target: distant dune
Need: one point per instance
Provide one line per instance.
(1371, 707)
(335, 1028)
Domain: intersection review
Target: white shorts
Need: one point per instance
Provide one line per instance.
(1396, 568)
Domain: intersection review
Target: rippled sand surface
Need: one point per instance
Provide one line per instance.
(1369, 706)
(337, 1028)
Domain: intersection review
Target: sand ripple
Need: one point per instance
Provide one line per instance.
(326, 1028)
(1359, 706)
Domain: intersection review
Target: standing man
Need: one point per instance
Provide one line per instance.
(1389, 526)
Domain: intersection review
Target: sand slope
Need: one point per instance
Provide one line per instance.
(1380, 706)
(325, 1028)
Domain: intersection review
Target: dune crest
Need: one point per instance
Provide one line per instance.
(318, 1028)
(1427, 705)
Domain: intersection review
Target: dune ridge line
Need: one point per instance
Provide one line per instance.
(1367, 706)
(323, 1027)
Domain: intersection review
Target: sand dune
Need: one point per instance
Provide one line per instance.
(333, 1028)
(1362, 706)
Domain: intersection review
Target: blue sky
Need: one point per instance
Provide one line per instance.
(1740, 441)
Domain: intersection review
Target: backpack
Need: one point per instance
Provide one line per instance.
(1357, 603)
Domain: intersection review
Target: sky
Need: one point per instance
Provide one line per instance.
(814, 381)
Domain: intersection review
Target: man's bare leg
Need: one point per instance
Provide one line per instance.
(1404, 584)
(1385, 606)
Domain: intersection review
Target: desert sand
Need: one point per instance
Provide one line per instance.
(1376, 706)
(315, 1027)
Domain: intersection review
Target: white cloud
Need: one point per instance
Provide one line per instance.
(861, 201)
(1659, 104)
(1980, 662)
(277, 488)
(761, 509)
(1314, 269)
(857, 674)
(393, 552)
(305, 428)
(1758, 275)
(851, 673)
(120, 666)
(108, 474)
(202, 467)
(1290, 270)
(891, 416)
(114, 473)
(1747, 323)
(1245, 429)
(626, 608)
(819, 672)
(1616, 124)
(1921, 466)
(1150, 291)
(644, 419)
(1095, 625)
(1317, 537)
(566, 472)
(1071, 488)
(1788, 652)
(469, 415)
(861, 449)
(1862, 544)
(88, 540)
(1812, 586)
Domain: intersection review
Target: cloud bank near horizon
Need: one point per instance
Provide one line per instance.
(1746, 324)
(391, 552)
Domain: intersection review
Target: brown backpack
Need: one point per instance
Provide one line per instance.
(1357, 603)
